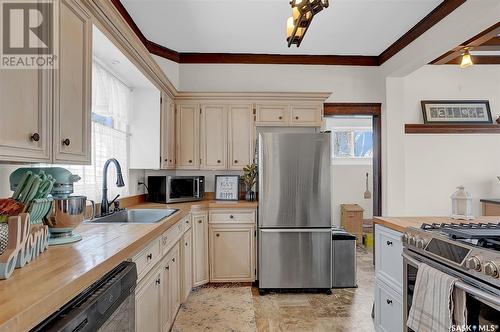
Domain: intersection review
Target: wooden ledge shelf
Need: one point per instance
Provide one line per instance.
(452, 129)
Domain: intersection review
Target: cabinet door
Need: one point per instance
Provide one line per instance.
(167, 133)
(148, 302)
(200, 249)
(306, 115)
(213, 142)
(388, 309)
(174, 283)
(187, 261)
(388, 259)
(72, 87)
(241, 136)
(187, 136)
(272, 115)
(166, 316)
(232, 253)
(25, 116)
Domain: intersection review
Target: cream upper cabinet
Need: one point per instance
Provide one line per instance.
(306, 115)
(270, 114)
(213, 140)
(200, 249)
(148, 301)
(25, 125)
(72, 87)
(232, 256)
(187, 136)
(187, 261)
(241, 136)
(167, 132)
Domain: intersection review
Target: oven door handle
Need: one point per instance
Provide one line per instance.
(490, 299)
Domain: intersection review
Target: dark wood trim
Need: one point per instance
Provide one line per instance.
(331, 109)
(375, 110)
(293, 59)
(162, 51)
(452, 129)
(445, 8)
(482, 38)
(478, 60)
(440, 12)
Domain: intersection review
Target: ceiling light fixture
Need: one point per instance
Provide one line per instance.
(303, 12)
(466, 59)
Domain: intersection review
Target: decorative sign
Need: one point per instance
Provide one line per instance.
(454, 112)
(227, 187)
(24, 244)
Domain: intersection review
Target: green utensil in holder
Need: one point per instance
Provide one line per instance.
(39, 208)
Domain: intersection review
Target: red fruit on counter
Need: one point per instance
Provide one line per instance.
(10, 207)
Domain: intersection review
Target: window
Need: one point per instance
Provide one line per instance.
(111, 102)
(352, 139)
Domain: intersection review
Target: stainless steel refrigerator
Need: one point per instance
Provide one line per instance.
(294, 227)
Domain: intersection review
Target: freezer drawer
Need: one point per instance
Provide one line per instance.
(295, 258)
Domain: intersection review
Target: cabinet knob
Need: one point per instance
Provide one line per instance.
(389, 243)
(389, 301)
(280, 117)
(186, 244)
(218, 161)
(199, 221)
(149, 256)
(35, 137)
(158, 281)
(173, 260)
(190, 161)
(296, 118)
(66, 142)
(170, 160)
(167, 267)
(231, 216)
(217, 234)
(166, 159)
(236, 161)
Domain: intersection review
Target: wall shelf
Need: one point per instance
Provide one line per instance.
(452, 129)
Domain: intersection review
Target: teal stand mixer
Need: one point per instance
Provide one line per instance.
(67, 211)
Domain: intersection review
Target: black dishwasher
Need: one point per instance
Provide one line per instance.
(107, 305)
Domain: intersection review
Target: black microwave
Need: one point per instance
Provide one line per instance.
(175, 189)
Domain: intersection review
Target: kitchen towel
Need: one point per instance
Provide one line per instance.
(432, 305)
(459, 307)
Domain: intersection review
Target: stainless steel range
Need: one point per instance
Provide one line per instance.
(469, 252)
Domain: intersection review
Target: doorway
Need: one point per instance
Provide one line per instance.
(365, 111)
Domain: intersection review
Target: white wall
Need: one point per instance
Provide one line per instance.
(170, 68)
(346, 83)
(427, 168)
(144, 126)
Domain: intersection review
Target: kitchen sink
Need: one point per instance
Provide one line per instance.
(135, 216)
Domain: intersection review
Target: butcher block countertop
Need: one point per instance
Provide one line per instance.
(37, 290)
(401, 223)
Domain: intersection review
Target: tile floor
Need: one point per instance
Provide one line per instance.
(239, 307)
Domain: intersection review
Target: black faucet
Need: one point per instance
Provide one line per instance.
(119, 182)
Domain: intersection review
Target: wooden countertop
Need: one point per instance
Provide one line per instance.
(37, 290)
(401, 223)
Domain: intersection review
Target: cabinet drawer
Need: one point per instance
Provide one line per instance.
(388, 259)
(308, 115)
(169, 237)
(388, 309)
(232, 217)
(147, 258)
(272, 115)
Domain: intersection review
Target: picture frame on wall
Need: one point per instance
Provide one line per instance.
(456, 112)
(227, 187)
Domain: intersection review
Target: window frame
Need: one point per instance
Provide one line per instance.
(351, 160)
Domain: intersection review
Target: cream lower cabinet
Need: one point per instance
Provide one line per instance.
(389, 312)
(232, 252)
(148, 301)
(171, 290)
(187, 261)
(232, 245)
(46, 113)
(200, 249)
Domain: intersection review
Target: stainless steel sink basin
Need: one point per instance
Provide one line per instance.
(136, 216)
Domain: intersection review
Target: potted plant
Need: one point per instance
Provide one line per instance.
(249, 178)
